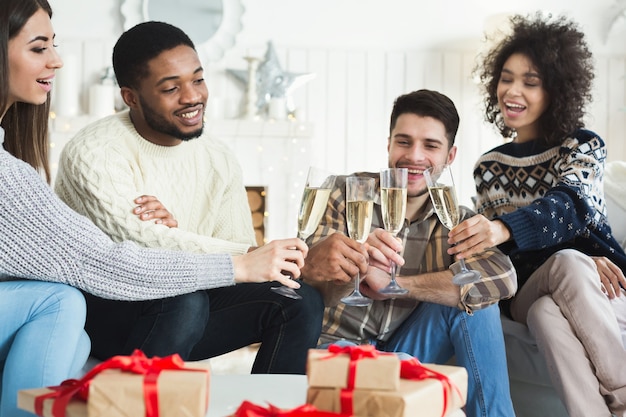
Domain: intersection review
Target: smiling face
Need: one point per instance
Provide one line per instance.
(418, 143)
(32, 61)
(521, 97)
(168, 106)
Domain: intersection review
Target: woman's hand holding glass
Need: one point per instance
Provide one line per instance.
(271, 262)
(476, 235)
(443, 195)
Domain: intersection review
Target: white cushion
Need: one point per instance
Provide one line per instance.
(615, 197)
(617, 219)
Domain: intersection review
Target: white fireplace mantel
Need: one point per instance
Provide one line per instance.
(273, 154)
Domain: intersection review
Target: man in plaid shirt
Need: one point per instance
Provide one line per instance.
(437, 320)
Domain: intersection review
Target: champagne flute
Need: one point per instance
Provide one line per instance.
(319, 184)
(360, 193)
(393, 183)
(443, 195)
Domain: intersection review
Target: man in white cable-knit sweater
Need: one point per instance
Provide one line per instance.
(193, 199)
(108, 164)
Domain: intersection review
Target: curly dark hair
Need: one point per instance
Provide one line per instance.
(558, 50)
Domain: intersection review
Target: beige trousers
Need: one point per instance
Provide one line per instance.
(577, 331)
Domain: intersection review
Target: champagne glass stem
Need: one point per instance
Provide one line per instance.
(356, 298)
(463, 267)
(462, 262)
(465, 275)
(393, 288)
(357, 284)
(393, 273)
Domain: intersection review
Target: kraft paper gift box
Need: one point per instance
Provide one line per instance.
(114, 393)
(423, 398)
(26, 401)
(117, 393)
(326, 369)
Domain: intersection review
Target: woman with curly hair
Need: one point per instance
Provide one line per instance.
(540, 200)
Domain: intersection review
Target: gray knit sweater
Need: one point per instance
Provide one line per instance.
(43, 239)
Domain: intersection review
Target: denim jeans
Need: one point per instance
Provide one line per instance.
(42, 341)
(209, 323)
(434, 333)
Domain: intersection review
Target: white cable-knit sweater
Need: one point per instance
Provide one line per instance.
(108, 164)
(43, 239)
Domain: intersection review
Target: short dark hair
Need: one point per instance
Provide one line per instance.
(557, 48)
(140, 44)
(428, 103)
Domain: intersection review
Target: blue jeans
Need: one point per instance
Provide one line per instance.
(42, 341)
(209, 323)
(434, 333)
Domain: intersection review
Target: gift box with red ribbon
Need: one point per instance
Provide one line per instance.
(26, 400)
(424, 390)
(361, 367)
(127, 386)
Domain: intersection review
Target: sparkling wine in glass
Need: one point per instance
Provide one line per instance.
(443, 195)
(319, 184)
(360, 193)
(393, 183)
(312, 208)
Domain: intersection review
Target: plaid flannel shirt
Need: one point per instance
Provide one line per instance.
(425, 250)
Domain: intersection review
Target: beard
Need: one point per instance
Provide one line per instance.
(157, 122)
(418, 193)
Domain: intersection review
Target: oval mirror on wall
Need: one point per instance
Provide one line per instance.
(211, 24)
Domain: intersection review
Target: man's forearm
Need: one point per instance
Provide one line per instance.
(434, 287)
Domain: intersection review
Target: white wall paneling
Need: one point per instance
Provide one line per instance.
(349, 102)
(615, 94)
(337, 97)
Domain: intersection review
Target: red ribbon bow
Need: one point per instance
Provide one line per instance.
(409, 369)
(136, 363)
(356, 353)
(248, 409)
(413, 369)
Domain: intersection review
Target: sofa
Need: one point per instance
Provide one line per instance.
(531, 390)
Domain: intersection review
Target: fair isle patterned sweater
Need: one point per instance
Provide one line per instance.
(43, 239)
(550, 198)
